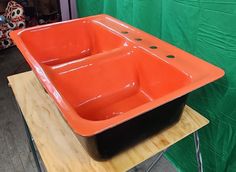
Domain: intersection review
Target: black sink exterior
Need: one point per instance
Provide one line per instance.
(108, 143)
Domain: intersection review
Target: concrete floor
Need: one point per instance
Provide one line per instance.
(14, 150)
(15, 155)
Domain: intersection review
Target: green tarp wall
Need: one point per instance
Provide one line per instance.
(207, 29)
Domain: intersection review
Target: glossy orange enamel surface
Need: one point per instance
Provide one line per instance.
(102, 72)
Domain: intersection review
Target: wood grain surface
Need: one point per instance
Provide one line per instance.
(58, 146)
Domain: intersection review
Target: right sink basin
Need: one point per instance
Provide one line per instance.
(104, 86)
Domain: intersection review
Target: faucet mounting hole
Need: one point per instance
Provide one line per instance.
(138, 39)
(170, 56)
(153, 47)
(124, 32)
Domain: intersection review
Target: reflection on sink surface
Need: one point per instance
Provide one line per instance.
(109, 78)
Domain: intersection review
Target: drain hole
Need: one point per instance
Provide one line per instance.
(170, 56)
(124, 32)
(153, 47)
(138, 39)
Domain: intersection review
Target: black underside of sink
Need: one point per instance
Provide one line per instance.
(110, 142)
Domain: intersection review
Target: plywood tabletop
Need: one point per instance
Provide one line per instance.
(58, 146)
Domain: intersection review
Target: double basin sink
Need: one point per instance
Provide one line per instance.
(114, 84)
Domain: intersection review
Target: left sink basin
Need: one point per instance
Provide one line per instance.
(60, 43)
(114, 84)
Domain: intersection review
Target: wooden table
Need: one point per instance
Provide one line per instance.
(58, 146)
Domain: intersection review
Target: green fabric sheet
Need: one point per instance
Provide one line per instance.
(207, 29)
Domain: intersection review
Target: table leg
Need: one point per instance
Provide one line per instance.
(198, 152)
(156, 161)
(31, 144)
(198, 155)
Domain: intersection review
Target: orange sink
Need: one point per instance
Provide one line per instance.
(112, 82)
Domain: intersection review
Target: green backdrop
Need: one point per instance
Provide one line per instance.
(207, 29)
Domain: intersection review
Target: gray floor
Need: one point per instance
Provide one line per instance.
(15, 154)
(14, 151)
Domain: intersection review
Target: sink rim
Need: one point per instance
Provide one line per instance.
(183, 62)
